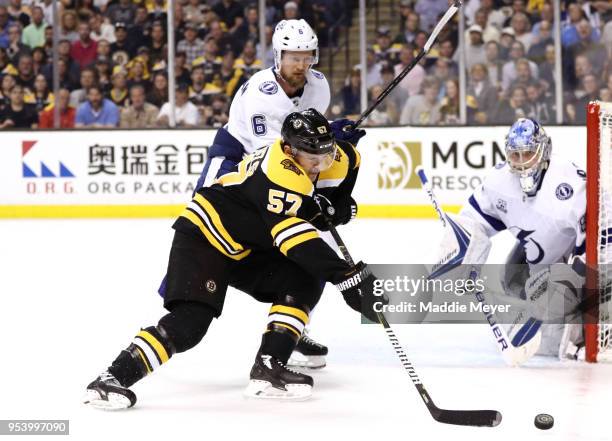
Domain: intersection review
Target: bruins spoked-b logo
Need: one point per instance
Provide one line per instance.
(211, 286)
(289, 165)
(397, 163)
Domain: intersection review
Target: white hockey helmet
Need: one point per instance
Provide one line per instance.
(293, 35)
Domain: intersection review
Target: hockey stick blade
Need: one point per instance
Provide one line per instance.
(478, 418)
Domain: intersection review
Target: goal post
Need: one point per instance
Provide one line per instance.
(598, 327)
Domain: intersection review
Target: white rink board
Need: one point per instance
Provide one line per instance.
(160, 167)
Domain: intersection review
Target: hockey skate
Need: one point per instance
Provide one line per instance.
(271, 379)
(105, 392)
(308, 354)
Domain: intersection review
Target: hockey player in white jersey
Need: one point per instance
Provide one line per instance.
(256, 116)
(541, 200)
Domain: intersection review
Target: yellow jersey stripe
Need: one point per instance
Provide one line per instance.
(144, 359)
(210, 237)
(216, 220)
(159, 348)
(284, 224)
(295, 241)
(289, 310)
(358, 157)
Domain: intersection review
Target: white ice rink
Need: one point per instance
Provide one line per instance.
(76, 292)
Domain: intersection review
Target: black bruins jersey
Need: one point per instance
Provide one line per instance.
(266, 204)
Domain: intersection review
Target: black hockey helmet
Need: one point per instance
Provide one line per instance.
(308, 131)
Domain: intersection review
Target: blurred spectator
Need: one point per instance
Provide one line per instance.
(197, 93)
(586, 46)
(100, 29)
(577, 110)
(441, 71)
(157, 11)
(495, 17)
(68, 29)
(411, 27)
(224, 41)
(249, 30)
(538, 106)
(523, 74)
(569, 33)
(25, 72)
(39, 60)
(34, 33)
(424, 108)
(138, 73)
(8, 81)
(5, 62)
(18, 13)
(123, 11)
(516, 7)
(41, 96)
(159, 92)
(598, 12)
(505, 43)
(474, 48)
(185, 112)
(119, 92)
(102, 68)
(483, 94)
(88, 79)
(86, 9)
(139, 114)
(412, 81)
(211, 61)
(522, 29)
(17, 114)
(192, 46)
(97, 111)
(47, 7)
(248, 61)
(230, 13)
(139, 33)
(449, 106)
(489, 31)
(547, 13)
(158, 46)
(67, 112)
(547, 67)
(372, 68)
(182, 74)
(291, 11)
(4, 24)
(84, 50)
(104, 49)
(510, 109)
(268, 57)
(193, 11)
(15, 47)
(517, 52)
(446, 49)
(429, 10)
(537, 51)
(385, 113)
(122, 48)
(405, 9)
(351, 94)
(397, 96)
(231, 76)
(216, 114)
(384, 49)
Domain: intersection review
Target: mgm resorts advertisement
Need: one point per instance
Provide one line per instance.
(153, 173)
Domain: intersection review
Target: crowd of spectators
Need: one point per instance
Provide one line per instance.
(113, 58)
(509, 58)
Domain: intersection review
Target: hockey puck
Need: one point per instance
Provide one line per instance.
(544, 421)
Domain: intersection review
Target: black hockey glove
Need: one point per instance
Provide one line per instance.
(344, 130)
(357, 288)
(341, 213)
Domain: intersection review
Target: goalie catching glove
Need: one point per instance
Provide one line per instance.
(357, 288)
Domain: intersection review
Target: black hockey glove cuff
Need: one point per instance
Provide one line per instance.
(357, 288)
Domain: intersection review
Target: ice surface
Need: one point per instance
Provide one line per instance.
(74, 293)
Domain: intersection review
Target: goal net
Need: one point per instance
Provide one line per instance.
(598, 324)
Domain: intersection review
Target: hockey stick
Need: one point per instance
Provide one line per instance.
(489, 418)
(515, 351)
(430, 41)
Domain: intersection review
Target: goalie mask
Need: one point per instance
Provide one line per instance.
(528, 150)
(310, 137)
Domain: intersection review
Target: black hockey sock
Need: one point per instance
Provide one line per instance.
(149, 350)
(285, 326)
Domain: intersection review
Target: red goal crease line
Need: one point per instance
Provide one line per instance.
(366, 211)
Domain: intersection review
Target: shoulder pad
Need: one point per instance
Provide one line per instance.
(283, 171)
(318, 75)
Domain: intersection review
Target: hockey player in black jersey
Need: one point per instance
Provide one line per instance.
(254, 230)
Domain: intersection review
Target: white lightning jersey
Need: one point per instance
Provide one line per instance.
(550, 225)
(260, 107)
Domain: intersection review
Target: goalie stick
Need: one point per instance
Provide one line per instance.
(488, 418)
(514, 351)
(454, 7)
